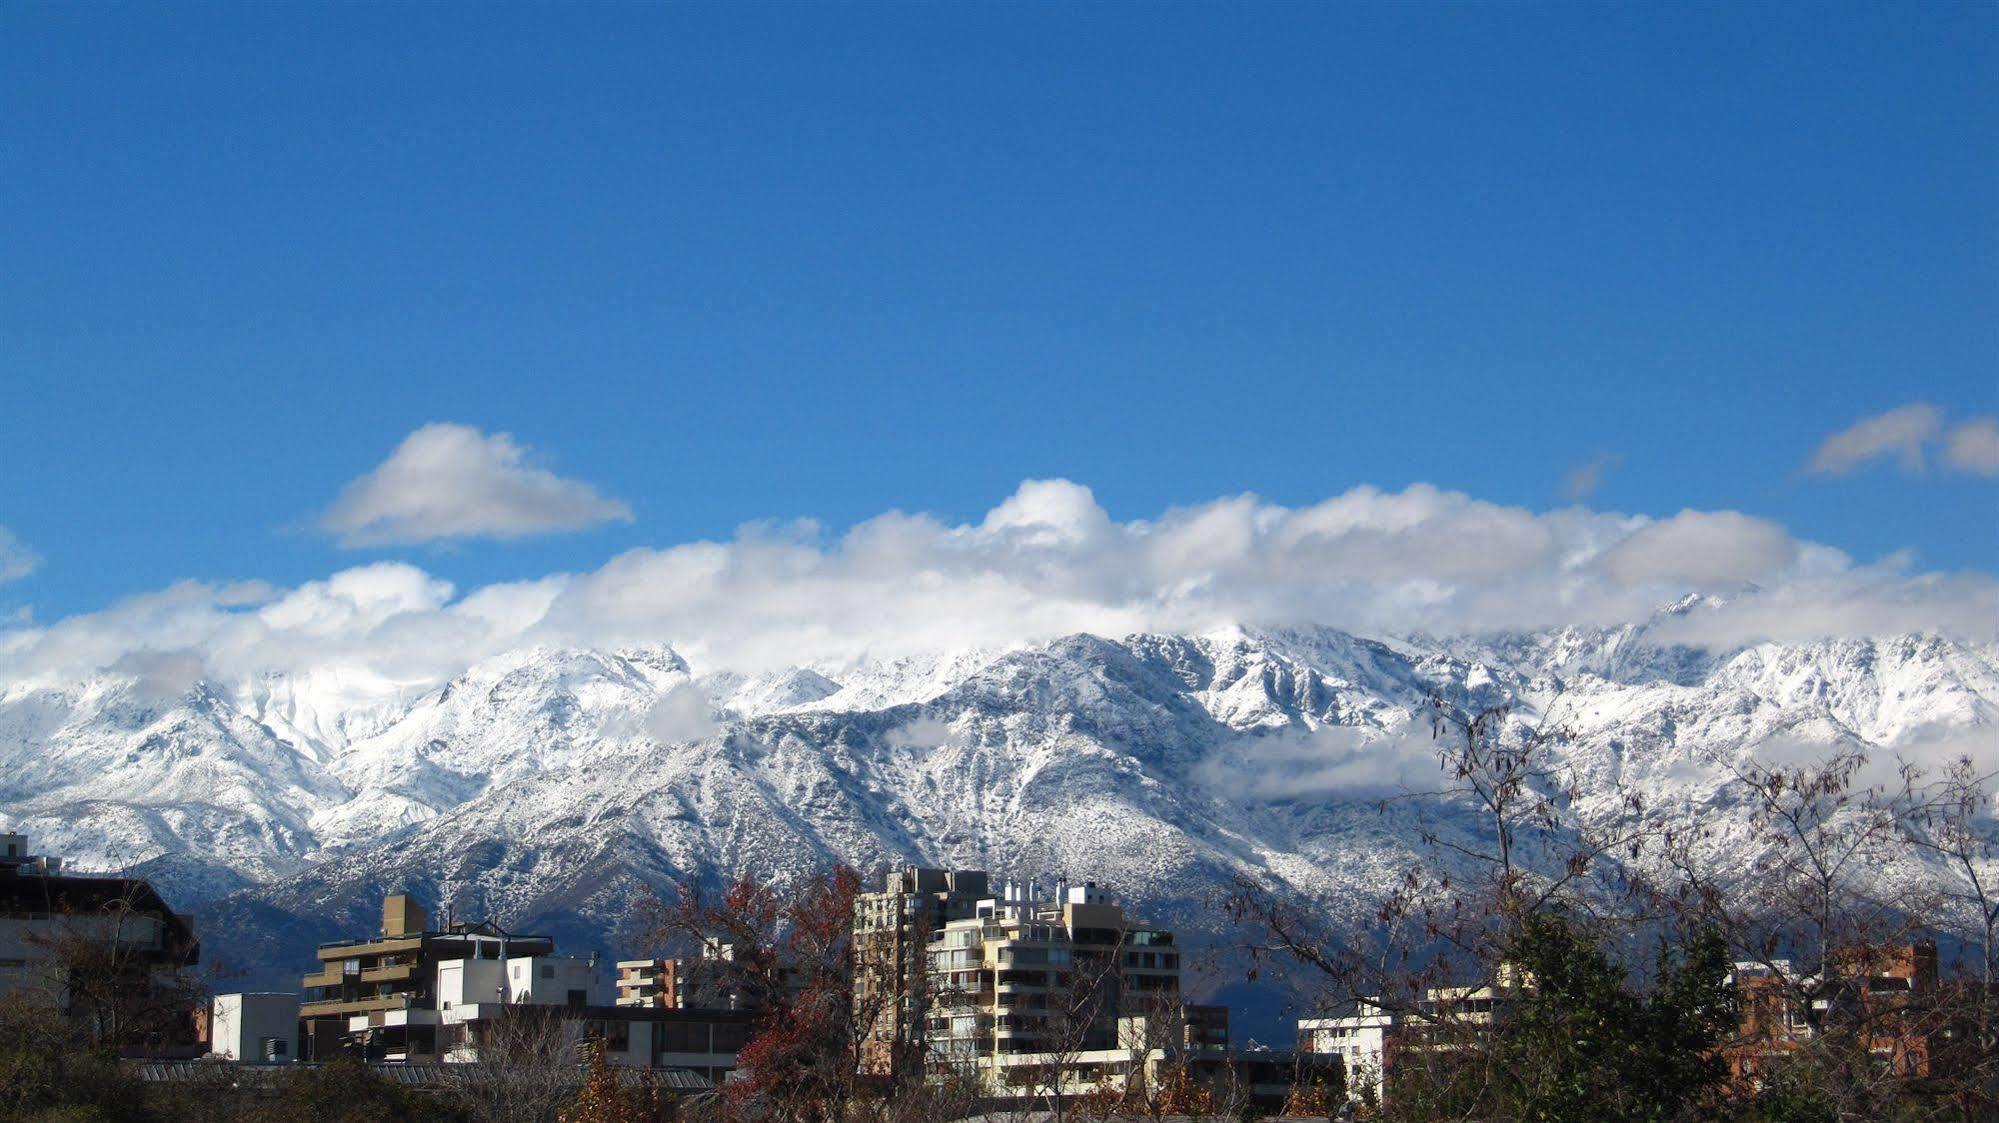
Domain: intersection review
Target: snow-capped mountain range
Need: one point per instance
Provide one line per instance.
(546, 788)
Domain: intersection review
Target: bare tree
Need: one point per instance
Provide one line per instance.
(1818, 924)
(1951, 819)
(789, 957)
(526, 1066)
(1081, 1016)
(120, 964)
(1432, 953)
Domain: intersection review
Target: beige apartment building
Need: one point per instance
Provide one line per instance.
(386, 996)
(1035, 989)
(892, 931)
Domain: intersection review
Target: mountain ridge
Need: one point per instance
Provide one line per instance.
(551, 787)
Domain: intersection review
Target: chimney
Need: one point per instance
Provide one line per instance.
(403, 916)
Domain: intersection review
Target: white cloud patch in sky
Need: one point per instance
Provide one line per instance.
(921, 733)
(447, 481)
(1907, 434)
(1973, 446)
(1583, 480)
(1047, 561)
(160, 676)
(16, 559)
(1901, 432)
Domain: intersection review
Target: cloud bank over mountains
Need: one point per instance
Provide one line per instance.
(1047, 561)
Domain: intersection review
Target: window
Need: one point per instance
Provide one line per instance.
(683, 1037)
(548, 970)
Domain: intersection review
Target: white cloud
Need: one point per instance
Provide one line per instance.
(1703, 550)
(1046, 561)
(921, 733)
(16, 559)
(1297, 763)
(1973, 446)
(1901, 432)
(681, 715)
(448, 481)
(160, 676)
(1583, 480)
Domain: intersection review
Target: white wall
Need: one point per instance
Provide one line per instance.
(244, 1023)
(468, 982)
(546, 980)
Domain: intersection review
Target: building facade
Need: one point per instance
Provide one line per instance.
(106, 950)
(259, 1028)
(384, 997)
(1361, 1042)
(892, 930)
(465, 993)
(1878, 997)
(1035, 990)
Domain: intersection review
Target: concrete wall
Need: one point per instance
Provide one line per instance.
(255, 1028)
(547, 980)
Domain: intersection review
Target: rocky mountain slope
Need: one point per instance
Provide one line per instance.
(549, 788)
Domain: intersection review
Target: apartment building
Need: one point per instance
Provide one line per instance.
(657, 983)
(1877, 994)
(1034, 989)
(892, 930)
(57, 927)
(702, 982)
(385, 996)
(1368, 1040)
(1360, 1041)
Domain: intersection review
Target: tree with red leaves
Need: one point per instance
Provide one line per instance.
(788, 956)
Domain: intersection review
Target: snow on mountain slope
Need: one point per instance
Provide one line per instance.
(110, 774)
(549, 788)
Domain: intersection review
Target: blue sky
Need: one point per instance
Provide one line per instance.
(743, 262)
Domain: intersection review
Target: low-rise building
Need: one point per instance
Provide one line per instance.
(700, 1041)
(384, 997)
(463, 993)
(260, 1028)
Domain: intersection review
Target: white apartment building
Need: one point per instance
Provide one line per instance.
(470, 990)
(1365, 1041)
(1360, 1042)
